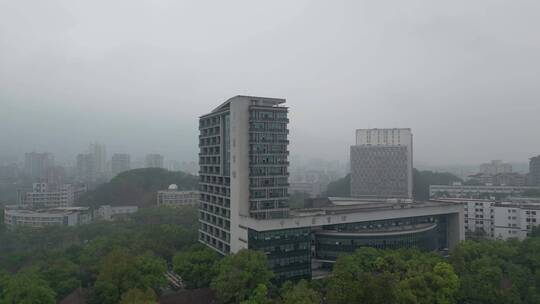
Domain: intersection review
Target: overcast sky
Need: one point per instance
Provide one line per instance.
(135, 75)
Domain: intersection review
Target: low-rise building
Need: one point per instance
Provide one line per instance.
(44, 195)
(515, 219)
(478, 216)
(108, 213)
(17, 216)
(463, 191)
(173, 197)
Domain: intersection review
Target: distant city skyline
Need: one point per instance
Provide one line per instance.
(463, 75)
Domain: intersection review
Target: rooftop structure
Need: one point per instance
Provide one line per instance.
(16, 216)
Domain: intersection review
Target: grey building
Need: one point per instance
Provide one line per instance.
(381, 163)
(154, 161)
(120, 163)
(534, 171)
(243, 200)
(38, 165)
(86, 168)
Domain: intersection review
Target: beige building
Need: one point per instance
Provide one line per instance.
(173, 197)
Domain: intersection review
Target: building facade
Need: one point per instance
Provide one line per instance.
(108, 213)
(44, 195)
(382, 163)
(37, 165)
(495, 167)
(534, 171)
(243, 200)
(120, 163)
(479, 216)
(462, 191)
(15, 216)
(154, 161)
(515, 219)
(177, 198)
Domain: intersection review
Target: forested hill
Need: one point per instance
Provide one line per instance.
(138, 187)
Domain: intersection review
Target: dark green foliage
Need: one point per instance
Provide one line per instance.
(498, 272)
(387, 276)
(422, 180)
(26, 288)
(339, 188)
(301, 293)
(240, 274)
(121, 271)
(197, 266)
(138, 187)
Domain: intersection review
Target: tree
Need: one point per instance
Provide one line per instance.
(423, 179)
(300, 293)
(197, 266)
(121, 271)
(340, 187)
(259, 296)
(137, 296)
(61, 274)
(28, 288)
(239, 274)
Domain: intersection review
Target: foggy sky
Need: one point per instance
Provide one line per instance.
(136, 74)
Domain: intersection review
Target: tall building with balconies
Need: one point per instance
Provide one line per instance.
(243, 168)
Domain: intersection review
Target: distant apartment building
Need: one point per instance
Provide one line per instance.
(173, 197)
(120, 163)
(85, 168)
(534, 170)
(500, 179)
(108, 213)
(154, 161)
(495, 167)
(99, 153)
(44, 195)
(37, 165)
(463, 191)
(16, 216)
(382, 163)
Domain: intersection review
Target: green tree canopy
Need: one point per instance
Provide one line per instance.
(300, 293)
(27, 288)
(240, 274)
(197, 266)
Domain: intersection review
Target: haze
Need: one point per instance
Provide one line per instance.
(135, 75)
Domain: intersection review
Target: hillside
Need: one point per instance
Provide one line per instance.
(138, 187)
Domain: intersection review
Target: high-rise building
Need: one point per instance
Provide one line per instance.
(86, 169)
(37, 165)
(243, 167)
(154, 161)
(243, 201)
(382, 163)
(495, 167)
(99, 154)
(534, 170)
(120, 163)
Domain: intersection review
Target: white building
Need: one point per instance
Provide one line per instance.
(176, 198)
(515, 219)
(382, 163)
(495, 167)
(15, 216)
(478, 216)
(462, 191)
(44, 195)
(108, 213)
